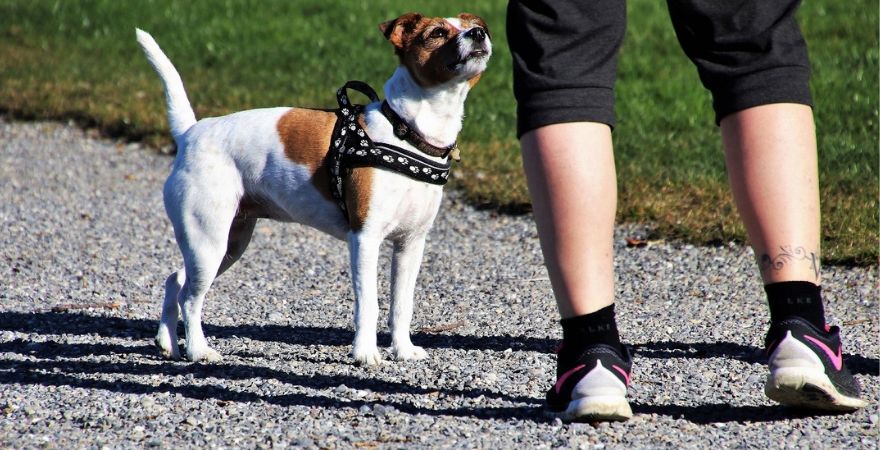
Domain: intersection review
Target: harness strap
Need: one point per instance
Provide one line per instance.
(351, 147)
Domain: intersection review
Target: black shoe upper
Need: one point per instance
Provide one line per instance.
(569, 358)
(826, 345)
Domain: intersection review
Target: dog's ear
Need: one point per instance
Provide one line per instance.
(396, 29)
(475, 20)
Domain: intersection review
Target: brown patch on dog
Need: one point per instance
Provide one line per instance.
(358, 188)
(474, 80)
(396, 30)
(306, 135)
(358, 192)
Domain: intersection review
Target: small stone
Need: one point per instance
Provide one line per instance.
(383, 411)
(303, 442)
(359, 393)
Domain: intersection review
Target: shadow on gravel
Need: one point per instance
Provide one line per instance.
(55, 368)
(91, 375)
(77, 323)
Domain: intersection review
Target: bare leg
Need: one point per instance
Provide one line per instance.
(573, 187)
(772, 165)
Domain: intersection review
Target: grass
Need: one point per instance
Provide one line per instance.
(79, 60)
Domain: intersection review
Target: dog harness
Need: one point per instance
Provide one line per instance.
(351, 147)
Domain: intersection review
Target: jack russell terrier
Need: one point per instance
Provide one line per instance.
(360, 173)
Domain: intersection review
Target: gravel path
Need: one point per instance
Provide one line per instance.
(85, 247)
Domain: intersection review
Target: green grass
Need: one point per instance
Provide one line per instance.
(78, 59)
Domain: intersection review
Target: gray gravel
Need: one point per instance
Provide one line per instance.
(85, 247)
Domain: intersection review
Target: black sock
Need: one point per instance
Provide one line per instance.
(598, 327)
(796, 298)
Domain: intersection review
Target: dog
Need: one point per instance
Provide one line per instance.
(274, 163)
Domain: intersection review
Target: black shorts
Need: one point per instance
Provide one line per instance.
(747, 53)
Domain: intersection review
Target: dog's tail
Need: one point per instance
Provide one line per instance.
(180, 114)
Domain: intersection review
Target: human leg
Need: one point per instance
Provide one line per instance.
(565, 57)
(753, 59)
(770, 151)
(570, 172)
(771, 158)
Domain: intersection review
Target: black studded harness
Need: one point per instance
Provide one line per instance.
(351, 146)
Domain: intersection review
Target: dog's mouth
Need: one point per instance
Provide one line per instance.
(476, 54)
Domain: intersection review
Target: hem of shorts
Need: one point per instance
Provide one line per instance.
(542, 107)
(538, 119)
(780, 85)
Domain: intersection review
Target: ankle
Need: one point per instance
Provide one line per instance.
(796, 298)
(599, 327)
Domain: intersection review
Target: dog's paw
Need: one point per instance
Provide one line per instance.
(408, 353)
(367, 356)
(205, 354)
(169, 349)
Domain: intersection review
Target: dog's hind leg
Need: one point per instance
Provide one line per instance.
(405, 262)
(166, 338)
(202, 209)
(202, 260)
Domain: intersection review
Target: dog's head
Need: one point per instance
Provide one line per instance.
(437, 50)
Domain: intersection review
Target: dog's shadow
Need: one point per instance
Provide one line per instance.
(57, 366)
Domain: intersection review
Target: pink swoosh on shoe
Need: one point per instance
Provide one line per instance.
(570, 372)
(622, 372)
(836, 359)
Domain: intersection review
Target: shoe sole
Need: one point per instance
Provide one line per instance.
(595, 409)
(808, 389)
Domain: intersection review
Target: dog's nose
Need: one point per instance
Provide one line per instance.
(477, 34)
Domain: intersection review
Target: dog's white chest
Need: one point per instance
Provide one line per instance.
(402, 206)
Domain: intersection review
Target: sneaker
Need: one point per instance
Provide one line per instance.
(807, 369)
(591, 385)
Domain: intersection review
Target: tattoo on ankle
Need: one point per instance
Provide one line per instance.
(788, 255)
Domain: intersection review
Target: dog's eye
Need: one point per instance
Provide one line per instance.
(438, 33)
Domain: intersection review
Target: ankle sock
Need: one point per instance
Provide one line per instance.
(796, 298)
(598, 327)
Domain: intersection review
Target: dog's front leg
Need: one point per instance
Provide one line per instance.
(405, 264)
(364, 252)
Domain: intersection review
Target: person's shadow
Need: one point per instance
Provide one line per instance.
(57, 366)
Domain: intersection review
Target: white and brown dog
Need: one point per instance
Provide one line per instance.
(273, 163)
